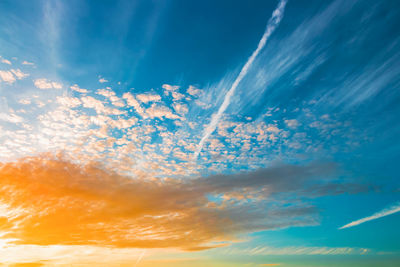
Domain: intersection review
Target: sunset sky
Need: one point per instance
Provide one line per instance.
(200, 133)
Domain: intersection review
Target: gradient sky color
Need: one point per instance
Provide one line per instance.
(199, 133)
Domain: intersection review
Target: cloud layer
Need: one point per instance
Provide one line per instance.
(51, 201)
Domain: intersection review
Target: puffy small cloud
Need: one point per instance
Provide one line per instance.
(132, 102)
(202, 104)
(40, 104)
(19, 74)
(123, 123)
(76, 88)
(168, 87)
(24, 101)
(193, 91)
(27, 63)
(12, 75)
(158, 111)
(180, 108)
(292, 123)
(116, 101)
(10, 117)
(145, 98)
(70, 102)
(113, 111)
(105, 92)
(7, 76)
(177, 96)
(5, 61)
(273, 129)
(46, 84)
(91, 102)
(102, 80)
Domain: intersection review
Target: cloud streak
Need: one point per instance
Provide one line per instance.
(385, 212)
(271, 26)
(295, 250)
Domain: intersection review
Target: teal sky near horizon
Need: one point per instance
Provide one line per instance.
(300, 168)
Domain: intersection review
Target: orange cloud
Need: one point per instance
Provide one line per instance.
(64, 203)
(51, 201)
(29, 264)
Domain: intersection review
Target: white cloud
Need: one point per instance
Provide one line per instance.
(122, 123)
(193, 91)
(273, 129)
(105, 92)
(13, 118)
(7, 76)
(5, 61)
(181, 108)
(131, 101)
(27, 63)
(292, 123)
(116, 101)
(177, 96)
(40, 104)
(145, 98)
(202, 104)
(25, 101)
(385, 212)
(91, 102)
(46, 84)
(102, 80)
(12, 75)
(170, 87)
(157, 111)
(19, 74)
(76, 88)
(71, 102)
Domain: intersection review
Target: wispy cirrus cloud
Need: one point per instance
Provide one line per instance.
(385, 212)
(296, 250)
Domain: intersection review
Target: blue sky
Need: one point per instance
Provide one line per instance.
(306, 143)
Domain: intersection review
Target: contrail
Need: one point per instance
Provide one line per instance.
(385, 212)
(271, 26)
(140, 258)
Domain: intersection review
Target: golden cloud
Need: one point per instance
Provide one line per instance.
(52, 201)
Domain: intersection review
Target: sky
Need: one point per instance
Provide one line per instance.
(199, 133)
